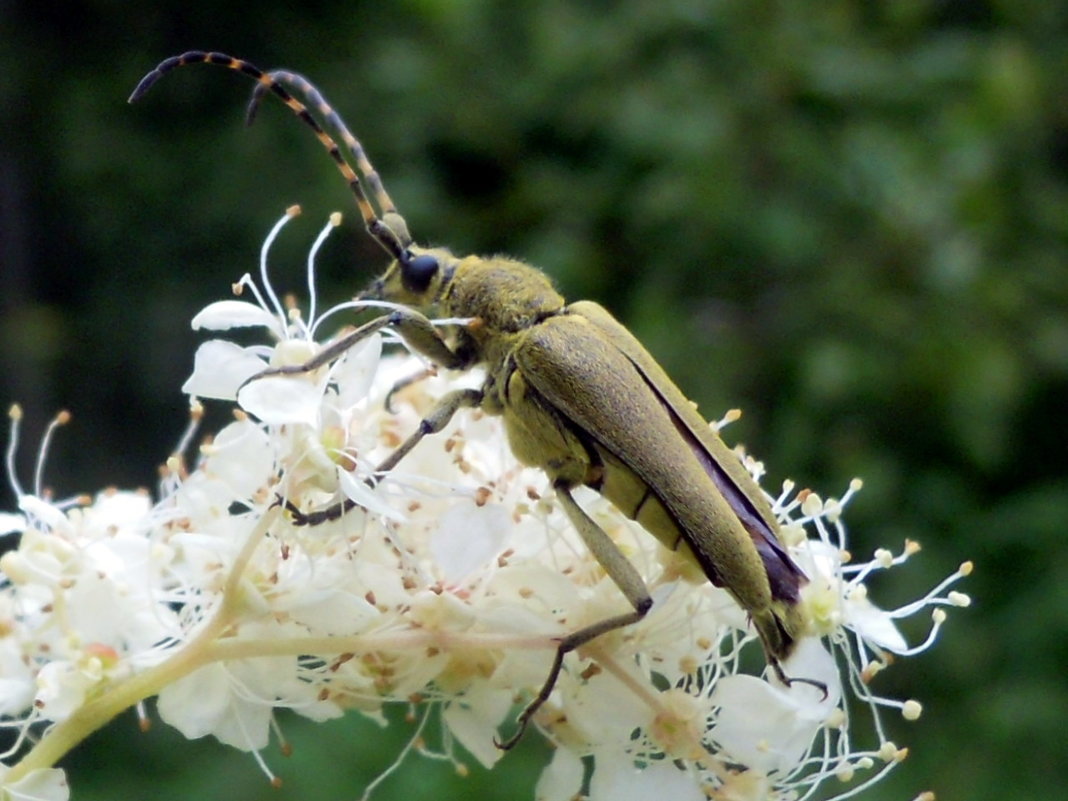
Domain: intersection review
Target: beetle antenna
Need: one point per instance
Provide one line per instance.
(301, 85)
(389, 230)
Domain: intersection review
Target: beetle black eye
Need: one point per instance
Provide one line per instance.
(417, 273)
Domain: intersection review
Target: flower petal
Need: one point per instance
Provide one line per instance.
(226, 314)
(616, 779)
(562, 778)
(241, 456)
(768, 728)
(45, 513)
(9, 523)
(357, 491)
(220, 368)
(282, 399)
(43, 784)
(467, 537)
(355, 371)
(194, 704)
(473, 719)
(812, 662)
(874, 625)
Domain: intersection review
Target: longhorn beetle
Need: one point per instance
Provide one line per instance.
(579, 396)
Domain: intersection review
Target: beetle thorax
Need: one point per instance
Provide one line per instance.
(504, 294)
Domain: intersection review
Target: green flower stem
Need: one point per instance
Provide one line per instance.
(230, 649)
(66, 734)
(199, 651)
(212, 644)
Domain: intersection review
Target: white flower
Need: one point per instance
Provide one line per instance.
(220, 368)
(561, 780)
(448, 581)
(620, 782)
(770, 728)
(222, 700)
(11, 524)
(45, 784)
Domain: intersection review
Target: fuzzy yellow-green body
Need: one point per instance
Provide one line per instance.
(583, 400)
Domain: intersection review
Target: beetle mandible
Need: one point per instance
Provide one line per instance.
(580, 398)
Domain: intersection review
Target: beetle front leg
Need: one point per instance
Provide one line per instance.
(621, 571)
(434, 422)
(414, 327)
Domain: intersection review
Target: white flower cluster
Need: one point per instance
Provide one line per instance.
(446, 586)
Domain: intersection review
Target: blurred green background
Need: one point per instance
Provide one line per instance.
(848, 218)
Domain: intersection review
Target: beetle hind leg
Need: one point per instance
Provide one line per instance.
(626, 577)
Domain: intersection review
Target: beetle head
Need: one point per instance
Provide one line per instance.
(504, 294)
(419, 277)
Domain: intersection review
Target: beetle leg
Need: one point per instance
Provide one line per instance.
(436, 420)
(422, 337)
(415, 328)
(425, 339)
(621, 571)
(406, 382)
(790, 681)
(332, 352)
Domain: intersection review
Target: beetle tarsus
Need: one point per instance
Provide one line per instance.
(790, 681)
(317, 517)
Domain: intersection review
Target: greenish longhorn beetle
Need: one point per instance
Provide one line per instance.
(579, 396)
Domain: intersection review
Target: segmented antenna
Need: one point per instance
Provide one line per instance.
(389, 230)
(301, 85)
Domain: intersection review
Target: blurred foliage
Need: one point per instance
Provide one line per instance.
(848, 218)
